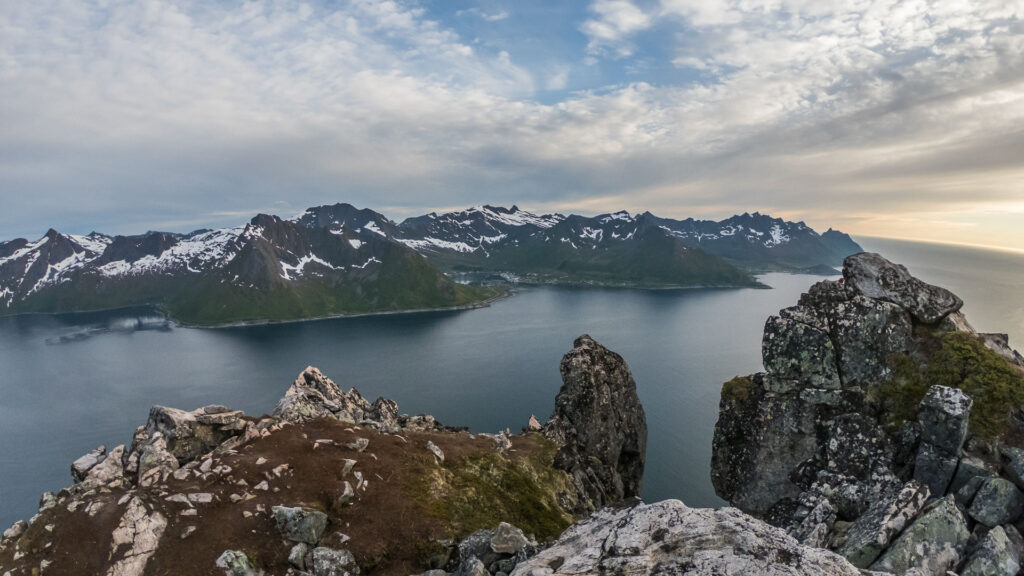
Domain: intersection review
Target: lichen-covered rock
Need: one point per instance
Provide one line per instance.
(760, 439)
(997, 501)
(944, 416)
(331, 562)
(875, 277)
(995, 555)
(794, 350)
(934, 543)
(669, 538)
(934, 468)
(314, 395)
(882, 521)
(236, 563)
(600, 425)
(1013, 464)
(970, 467)
(300, 524)
(814, 529)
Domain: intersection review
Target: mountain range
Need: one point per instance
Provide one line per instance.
(339, 259)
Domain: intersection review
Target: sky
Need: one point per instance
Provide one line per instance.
(885, 118)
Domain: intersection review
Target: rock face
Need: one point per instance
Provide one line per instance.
(812, 444)
(600, 425)
(669, 538)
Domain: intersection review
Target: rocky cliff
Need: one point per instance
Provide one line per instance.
(884, 428)
(334, 484)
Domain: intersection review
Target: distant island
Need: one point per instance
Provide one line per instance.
(340, 260)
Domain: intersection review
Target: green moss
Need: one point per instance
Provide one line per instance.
(962, 361)
(480, 490)
(738, 389)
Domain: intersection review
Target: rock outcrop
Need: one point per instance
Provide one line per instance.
(330, 483)
(669, 538)
(600, 426)
(847, 435)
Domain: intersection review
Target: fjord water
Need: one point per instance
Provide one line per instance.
(70, 383)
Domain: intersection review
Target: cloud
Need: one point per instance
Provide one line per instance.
(484, 15)
(121, 116)
(614, 22)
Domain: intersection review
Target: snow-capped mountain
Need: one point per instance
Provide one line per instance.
(475, 236)
(330, 260)
(341, 259)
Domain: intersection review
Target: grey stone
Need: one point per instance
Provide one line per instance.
(667, 537)
(814, 529)
(600, 426)
(437, 452)
(1013, 465)
(300, 524)
(331, 562)
(965, 495)
(934, 543)
(15, 531)
(944, 415)
(476, 545)
(883, 520)
(472, 567)
(793, 350)
(934, 468)
(970, 467)
(994, 556)
(875, 277)
(508, 539)
(998, 501)
(298, 554)
(136, 537)
(236, 563)
(81, 466)
(314, 395)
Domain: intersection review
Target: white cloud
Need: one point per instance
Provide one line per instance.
(614, 22)
(827, 111)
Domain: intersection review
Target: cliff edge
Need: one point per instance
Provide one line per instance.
(884, 428)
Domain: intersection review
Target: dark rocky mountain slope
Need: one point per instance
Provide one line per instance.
(885, 428)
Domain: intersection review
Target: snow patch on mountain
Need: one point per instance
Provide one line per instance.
(298, 269)
(371, 226)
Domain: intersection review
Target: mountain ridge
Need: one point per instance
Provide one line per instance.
(338, 260)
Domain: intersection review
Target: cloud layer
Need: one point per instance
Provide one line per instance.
(890, 118)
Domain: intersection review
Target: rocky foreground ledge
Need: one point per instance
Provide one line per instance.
(885, 428)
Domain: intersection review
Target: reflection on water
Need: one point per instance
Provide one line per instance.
(79, 328)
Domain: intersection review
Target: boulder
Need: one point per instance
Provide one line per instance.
(331, 562)
(189, 435)
(875, 277)
(472, 567)
(508, 539)
(600, 426)
(814, 529)
(995, 555)
(943, 415)
(934, 543)
(669, 538)
(1013, 464)
(83, 464)
(300, 524)
(997, 501)
(971, 467)
(871, 533)
(236, 563)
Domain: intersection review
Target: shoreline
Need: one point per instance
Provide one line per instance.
(510, 290)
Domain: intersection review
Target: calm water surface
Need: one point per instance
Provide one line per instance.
(69, 384)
